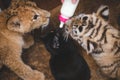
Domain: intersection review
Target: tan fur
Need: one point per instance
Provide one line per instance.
(14, 23)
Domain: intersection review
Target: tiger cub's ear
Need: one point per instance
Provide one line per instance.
(103, 12)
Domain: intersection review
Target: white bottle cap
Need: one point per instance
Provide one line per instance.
(61, 24)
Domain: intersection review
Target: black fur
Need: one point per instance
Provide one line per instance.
(66, 63)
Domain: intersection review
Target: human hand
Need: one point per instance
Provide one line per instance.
(73, 1)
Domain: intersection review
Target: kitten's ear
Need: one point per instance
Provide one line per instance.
(103, 12)
(14, 24)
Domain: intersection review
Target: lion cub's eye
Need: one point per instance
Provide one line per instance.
(35, 17)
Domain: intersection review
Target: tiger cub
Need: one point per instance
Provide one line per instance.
(98, 38)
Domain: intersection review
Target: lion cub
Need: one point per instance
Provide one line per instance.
(18, 19)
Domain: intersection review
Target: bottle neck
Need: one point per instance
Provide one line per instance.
(63, 18)
(61, 24)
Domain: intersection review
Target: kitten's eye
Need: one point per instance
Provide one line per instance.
(80, 28)
(35, 17)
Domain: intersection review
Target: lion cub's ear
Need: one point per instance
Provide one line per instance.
(14, 24)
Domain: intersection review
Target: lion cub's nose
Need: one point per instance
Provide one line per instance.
(48, 14)
(44, 13)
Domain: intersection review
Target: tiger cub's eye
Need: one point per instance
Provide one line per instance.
(85, 18)
(76, 26)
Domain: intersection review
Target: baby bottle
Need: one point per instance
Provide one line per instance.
(67, 11)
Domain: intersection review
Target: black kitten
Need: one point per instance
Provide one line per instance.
(66, 63)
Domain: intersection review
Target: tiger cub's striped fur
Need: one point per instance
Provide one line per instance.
(98, 38)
